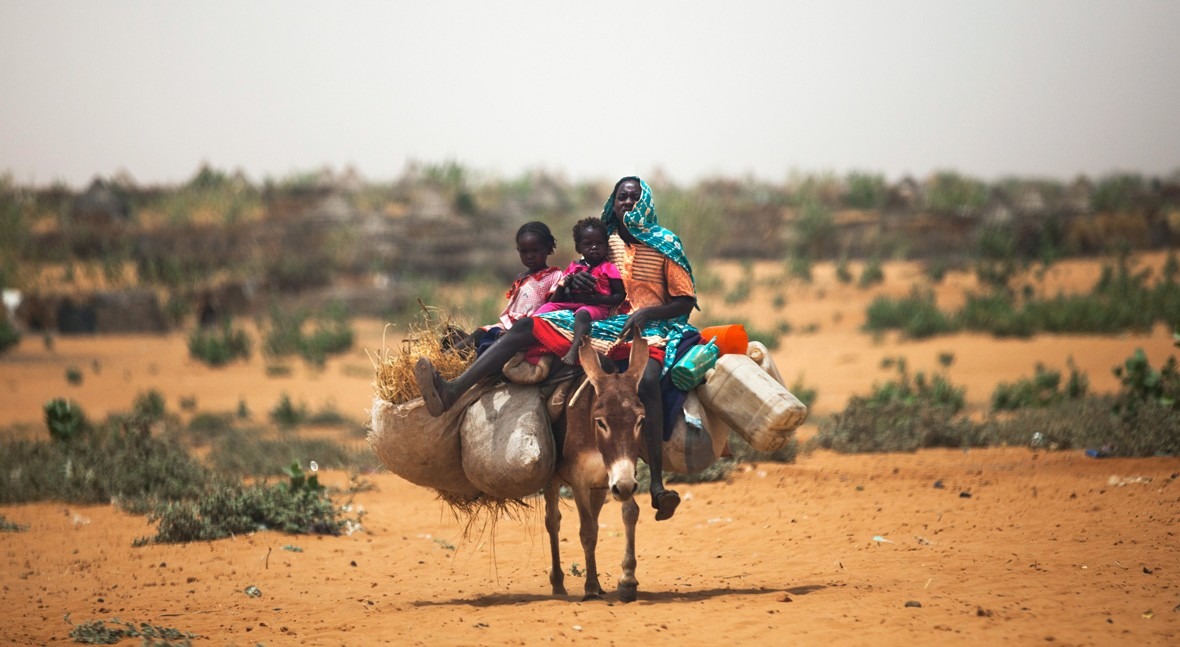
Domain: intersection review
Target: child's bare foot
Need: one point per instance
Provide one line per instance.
(435, 393)
(570, 358)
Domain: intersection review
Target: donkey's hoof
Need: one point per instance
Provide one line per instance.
(628, 592)
(592, 596)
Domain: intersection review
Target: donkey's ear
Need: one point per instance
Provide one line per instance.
(638, 362)
(591, 363)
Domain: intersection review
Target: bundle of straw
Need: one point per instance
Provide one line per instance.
(394, 381)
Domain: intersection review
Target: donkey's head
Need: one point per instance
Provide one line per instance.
(616, 417)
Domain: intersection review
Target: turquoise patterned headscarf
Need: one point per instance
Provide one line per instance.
(642, 223)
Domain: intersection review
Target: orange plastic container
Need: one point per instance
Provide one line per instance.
(731, 338)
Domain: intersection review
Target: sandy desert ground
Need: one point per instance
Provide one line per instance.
(1019, 546)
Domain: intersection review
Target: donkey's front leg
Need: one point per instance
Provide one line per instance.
(628, 585)
(553, 525)
(589, 505)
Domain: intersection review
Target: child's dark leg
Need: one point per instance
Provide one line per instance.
(581, 329)
(440, 394)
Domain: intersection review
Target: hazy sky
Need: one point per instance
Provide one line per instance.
(589, 89)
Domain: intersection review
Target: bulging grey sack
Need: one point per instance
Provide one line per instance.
(698, 439)
(418, 447)
(507, 443)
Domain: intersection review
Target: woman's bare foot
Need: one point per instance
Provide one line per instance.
(435, 393)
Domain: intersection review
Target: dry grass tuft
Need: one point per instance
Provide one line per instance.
(428, 337)
(478, 514)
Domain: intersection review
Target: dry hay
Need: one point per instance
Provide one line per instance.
(431, 335)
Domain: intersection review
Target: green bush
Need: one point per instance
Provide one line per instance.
(1090, 423)
(109, 463)
(97, 632)
(872, 274)
(286, 414)
(916, 315)
(65, 420)
(232, 508)
(9, 337)
(8, 526)
(221, 347)
(1041, 390)
(937, 391)
(74, 375)
(149, 405)
(333, 334)
(1144, 385)
(242, 453)
(807, 395)
(894, 426)
(843, 274)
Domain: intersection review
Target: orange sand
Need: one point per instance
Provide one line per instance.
(1048, 547)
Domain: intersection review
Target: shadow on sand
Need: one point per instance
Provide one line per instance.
(502, 599)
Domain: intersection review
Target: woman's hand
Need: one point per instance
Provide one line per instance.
(635, 323)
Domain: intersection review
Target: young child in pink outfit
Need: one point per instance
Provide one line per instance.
(590, 239)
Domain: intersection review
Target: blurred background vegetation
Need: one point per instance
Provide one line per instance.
(119, 257)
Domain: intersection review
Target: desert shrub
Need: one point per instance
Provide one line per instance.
(815, 231)
(843, 274)
(65, 420)
(894, 426)
(949, 193)
(287, 414)
(872, 273)
(207, 426)
(916, 315)
(218, 348)
(330, 416)
(149, 405)
(800, 267)
(9, 337)
(1143, 385)
(806, 394)
(996, 261)
(98, 632)
(865, 190)
(283, 332)
(1090, 423)
(232, 508)
(917, 389)
(995, 312)
(242, 453)
(9, 526)
(73, 375)
(109, 463)
(332, 335)
(1041, 390)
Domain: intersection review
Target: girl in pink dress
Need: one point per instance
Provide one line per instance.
(532, 287)
(608, 295)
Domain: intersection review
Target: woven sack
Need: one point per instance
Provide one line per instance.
(418, 447)
(507, 443)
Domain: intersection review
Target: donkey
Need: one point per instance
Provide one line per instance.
(603, 434)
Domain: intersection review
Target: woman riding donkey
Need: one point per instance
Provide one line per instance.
(661, 294)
